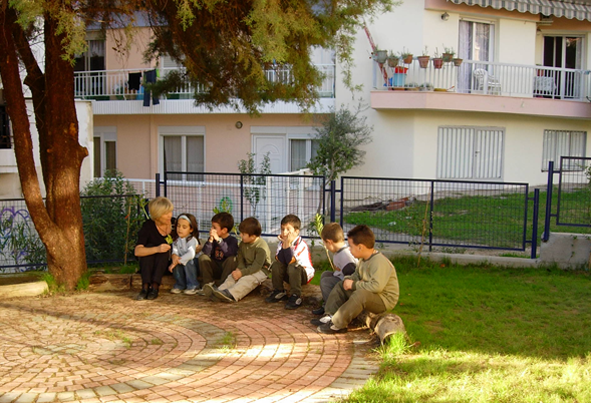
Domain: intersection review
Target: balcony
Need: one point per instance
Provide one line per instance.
(484, 87)
(113, 85)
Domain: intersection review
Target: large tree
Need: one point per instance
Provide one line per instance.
(226, 47)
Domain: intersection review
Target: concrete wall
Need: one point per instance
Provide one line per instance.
(138, 153)
(9, 181)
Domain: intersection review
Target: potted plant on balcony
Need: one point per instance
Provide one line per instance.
(393, 59)
(457, 61)
(448, 54)
(424, 59)
(437, 60)
(406, 56)
(426, 87)
(380, 55)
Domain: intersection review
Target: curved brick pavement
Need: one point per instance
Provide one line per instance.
(108, 347)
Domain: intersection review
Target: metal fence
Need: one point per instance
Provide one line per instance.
(490, 215)
(267, 197)
(573, 199)
(110, 225)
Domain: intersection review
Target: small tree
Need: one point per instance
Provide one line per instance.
(253, 181)
(339, 140)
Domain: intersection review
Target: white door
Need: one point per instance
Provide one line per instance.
(276, 146)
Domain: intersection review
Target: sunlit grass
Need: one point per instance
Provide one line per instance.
(487, 334)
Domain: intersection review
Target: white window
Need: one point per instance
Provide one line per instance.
(5, 135)
(470, 152)
(476, 42)
(562, 143)
(182, 149)
(301, 152)
(104, 150)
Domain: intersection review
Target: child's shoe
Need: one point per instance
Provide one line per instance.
(276, 296)
(318, 311)
(330, 328)
(294, 302)
(207, 290)
(321, 321)
(191, 291)
(223, 295)
(176, 291)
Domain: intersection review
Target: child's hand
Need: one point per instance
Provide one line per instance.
(291, 236)
(163, 247)
(347, 284)
(171, 267)
(236, 274)
(198, 248)
(213, 235)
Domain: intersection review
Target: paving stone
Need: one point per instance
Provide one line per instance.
(9, 397)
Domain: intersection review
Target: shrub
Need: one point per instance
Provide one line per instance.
(112, 214)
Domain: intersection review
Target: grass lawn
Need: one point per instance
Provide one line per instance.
(487, 334)
(495, 221)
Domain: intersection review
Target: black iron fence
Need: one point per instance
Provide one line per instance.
(266, 197)
(110, 224)
(572, 200)
(489, 215)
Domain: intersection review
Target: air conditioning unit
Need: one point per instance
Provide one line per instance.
(545, 20)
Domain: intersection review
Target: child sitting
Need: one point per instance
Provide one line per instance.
(343, 261)
(293, 264)
(253, 259)
(184, 249)
(219, 252)
(373, 286)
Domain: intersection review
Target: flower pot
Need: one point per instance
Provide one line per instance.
(447, 57)
(400, 70)
(381, 56)
(393, 61)
(407, 59)
(438, 62)
(457, 62)
(423, 61)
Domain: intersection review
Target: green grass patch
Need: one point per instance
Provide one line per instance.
(487, 334)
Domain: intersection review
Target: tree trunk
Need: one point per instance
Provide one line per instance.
(59, 220)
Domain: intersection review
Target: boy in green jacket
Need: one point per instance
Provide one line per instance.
(253, 260)
(373, 286)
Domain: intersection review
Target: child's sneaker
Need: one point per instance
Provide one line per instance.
(321, 321)
(276, 296)
(294, 302)
(191, 291)
(207, 290)
(223, 295)
(330, 328)
(176, 291)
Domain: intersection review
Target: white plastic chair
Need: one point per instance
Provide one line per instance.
(486, 83)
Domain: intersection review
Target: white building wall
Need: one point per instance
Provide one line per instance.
(9, 180)
(516, 42)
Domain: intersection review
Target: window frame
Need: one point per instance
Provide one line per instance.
(183, 132)
(105, 134)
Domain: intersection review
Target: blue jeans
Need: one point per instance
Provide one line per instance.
(185, 276)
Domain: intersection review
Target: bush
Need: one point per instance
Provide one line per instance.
(112, 214)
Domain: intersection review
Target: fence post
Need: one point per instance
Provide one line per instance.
(241, 197)
(534, 231)
(165, 184)
(546, 233)
(157, 185)
(333, 200)
(342, 201)
(431, 205)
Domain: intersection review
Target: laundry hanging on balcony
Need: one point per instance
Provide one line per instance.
(134, 81)
(150, 77)
(579, 9)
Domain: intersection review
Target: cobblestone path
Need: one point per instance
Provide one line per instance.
(107, 347)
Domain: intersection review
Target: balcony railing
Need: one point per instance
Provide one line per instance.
(114, 84)
(475, 77)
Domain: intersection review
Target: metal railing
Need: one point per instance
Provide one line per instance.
(486, 215)
(113, 84)
(489, 78)
(267, 197)
(573, 199)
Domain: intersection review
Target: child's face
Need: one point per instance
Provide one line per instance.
(287, 229)
(220, 231)
(183, 228)
(356, 250)
(247, 238)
